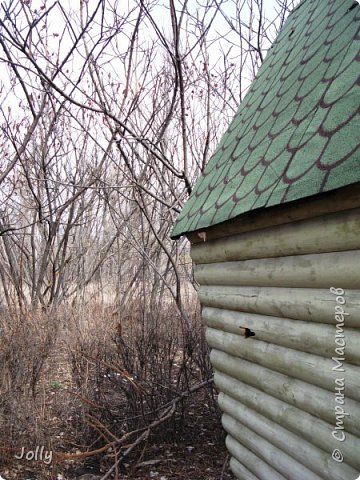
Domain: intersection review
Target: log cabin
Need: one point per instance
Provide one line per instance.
(274, 227)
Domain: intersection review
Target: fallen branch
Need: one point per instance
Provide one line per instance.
(168, 414)
(144, 432)
(142, 437)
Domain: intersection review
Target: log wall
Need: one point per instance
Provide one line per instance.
(291, 391)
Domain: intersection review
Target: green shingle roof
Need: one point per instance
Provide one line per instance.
(297, 131)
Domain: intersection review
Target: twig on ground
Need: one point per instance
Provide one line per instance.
(168, 414)
(170, 406)
(142, 437)
(226, 461)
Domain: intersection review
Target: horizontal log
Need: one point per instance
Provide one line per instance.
(312, 338)
(247, 458)
(267, 451)
(315, 462)
(315, 305)
(307, 397)
(241, 472)
(304, 366)
(340, 269)
(306, 426)
(330, 233)
(342, 199)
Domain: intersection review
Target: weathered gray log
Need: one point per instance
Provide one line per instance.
(304, 366)
(310, 457)
(302, 271)
(313, 338)
(330, 233)
(306, 426)
(253, 463)
(267, 451)
(307, 397)
(316, 305)
(241, 472)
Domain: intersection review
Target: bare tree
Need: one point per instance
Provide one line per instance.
(109, 112)
(108, 117)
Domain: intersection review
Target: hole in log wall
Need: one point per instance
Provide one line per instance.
(246, 332)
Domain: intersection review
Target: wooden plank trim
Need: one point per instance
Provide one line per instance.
(331, 233)
(338, 200)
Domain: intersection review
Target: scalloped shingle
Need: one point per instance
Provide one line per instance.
(297, 131)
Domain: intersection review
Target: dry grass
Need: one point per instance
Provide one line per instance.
(27, 340)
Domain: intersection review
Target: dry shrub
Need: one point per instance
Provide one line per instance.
(127, 367)
(27, 340)
(114, 371)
